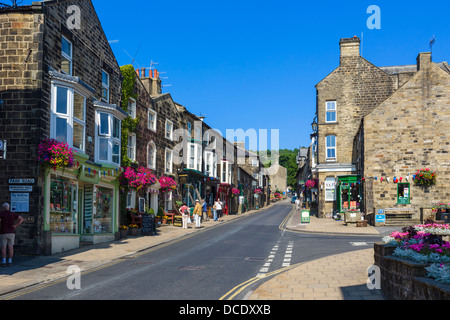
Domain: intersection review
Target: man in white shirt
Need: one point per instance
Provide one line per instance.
(297, 203)
(218, 209)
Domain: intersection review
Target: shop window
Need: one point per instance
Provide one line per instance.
(68, 116)
(331, 111)
(63, 210)
(403, 195)
(103, 213)
(66, 56)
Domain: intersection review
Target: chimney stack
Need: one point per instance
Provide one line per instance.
(423, 60)
(152, 83)
(350, 47)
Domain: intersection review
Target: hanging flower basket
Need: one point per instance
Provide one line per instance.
(55, 154)
(257, 191)
(311, 184)
(167, 184)
(425, 177)
(235, 191)
(136, 179)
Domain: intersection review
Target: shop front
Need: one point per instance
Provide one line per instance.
(348, 193)
(81, 205)
(191, 182)
(224, 194)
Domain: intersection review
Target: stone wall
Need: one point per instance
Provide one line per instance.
(407, 132)
(404, 280)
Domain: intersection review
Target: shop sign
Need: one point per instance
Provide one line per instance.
(148, 222)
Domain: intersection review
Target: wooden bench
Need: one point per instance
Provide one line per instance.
(399, 212)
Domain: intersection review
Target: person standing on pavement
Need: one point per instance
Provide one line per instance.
(197, 213)
(204, 210)
(184, 210)
(8, 232)
(297, 203)
(218, 207)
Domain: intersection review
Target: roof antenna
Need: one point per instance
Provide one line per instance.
(433, 39)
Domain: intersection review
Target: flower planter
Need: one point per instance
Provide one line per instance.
(134, 232)
(123, 233)
(402, 279)
(361, 223)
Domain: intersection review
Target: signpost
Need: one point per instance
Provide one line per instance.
(148, 224)
(305, 216)
(178, 221)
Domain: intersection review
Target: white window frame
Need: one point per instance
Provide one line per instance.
(152, 125)
(225, 175)
(69, 116)
(169, 134)
(109, 136)
(105, 86)
(255, 163)
(131, 109)
(327, 147)
(170, 168)
(194, 156)
(330, 110)
(131, 199)
(131, 149)
(66, 56)
(206, 135)
(151, 156)
(211, 161)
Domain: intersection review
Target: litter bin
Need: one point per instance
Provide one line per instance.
(305, 216)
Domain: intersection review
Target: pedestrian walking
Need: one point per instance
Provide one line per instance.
(204, 211)
(197, 213)
(184, 210)
(218, 207)
(8, 227)
(297, 203)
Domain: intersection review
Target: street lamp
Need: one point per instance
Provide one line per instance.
(314, 125)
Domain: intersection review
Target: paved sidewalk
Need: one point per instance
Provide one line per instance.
(337, 277)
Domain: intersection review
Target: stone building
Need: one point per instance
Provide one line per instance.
(62, 82)
(405, 133)
(349, 100)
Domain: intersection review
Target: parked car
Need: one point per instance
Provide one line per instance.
(293, 199)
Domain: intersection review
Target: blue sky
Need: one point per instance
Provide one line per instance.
(254, 64)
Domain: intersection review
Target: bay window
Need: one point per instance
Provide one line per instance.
(68, 116)
(210, 164)
(108, 138)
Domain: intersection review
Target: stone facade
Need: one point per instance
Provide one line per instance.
(407, 132)
(31, 68)
(379, 122)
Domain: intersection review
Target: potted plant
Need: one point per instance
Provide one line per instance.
(133, 229)
(164, 219)
(123, 231)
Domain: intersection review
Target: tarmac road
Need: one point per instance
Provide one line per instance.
(215, 262)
